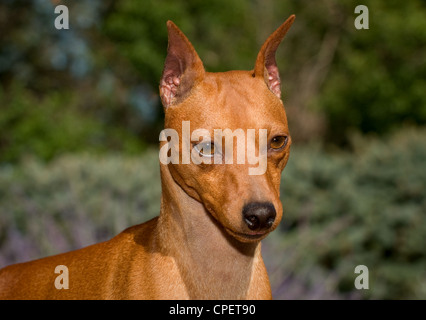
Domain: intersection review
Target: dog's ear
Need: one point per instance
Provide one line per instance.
(266, 65)
(182, 69)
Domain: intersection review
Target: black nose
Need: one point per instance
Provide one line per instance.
(259, 215)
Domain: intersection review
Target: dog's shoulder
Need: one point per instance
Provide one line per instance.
(85, 267)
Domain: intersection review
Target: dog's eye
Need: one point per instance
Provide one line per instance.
(205, 149)
(279, 142)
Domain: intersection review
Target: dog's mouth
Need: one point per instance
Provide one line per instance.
(248, 237)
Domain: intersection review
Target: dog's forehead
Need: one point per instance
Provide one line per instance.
(233, 99)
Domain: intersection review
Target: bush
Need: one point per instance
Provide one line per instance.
(56, 123)
(72, 202)
(340, 211)
(377, 78)
(363, 208)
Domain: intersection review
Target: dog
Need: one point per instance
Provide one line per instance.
(205, 244)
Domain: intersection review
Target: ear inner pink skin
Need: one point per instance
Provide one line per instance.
(274, 79)
(182, 69)
(168, 88)
(266, 65)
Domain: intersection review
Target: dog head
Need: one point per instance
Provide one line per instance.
(226, 138)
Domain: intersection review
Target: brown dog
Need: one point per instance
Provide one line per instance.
(206, 242)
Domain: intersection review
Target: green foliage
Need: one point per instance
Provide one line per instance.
(377, 80)
(221, 31)
(367, 207)
(72, 202)
(340, 210)
(48, 126)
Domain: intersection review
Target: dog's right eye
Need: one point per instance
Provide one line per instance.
(205, 149)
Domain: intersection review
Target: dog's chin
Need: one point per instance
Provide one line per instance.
(248, 237)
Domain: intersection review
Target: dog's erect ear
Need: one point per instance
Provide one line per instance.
(266, 66)
(182, 69)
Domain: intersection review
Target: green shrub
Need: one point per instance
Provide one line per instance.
(49, 126)
(367, 207)
(74, 201)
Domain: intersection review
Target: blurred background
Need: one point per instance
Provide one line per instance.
(80, 119)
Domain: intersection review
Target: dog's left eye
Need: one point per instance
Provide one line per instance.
(279, 142)
(205, 149)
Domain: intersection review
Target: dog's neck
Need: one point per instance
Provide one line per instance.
(210, 261)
